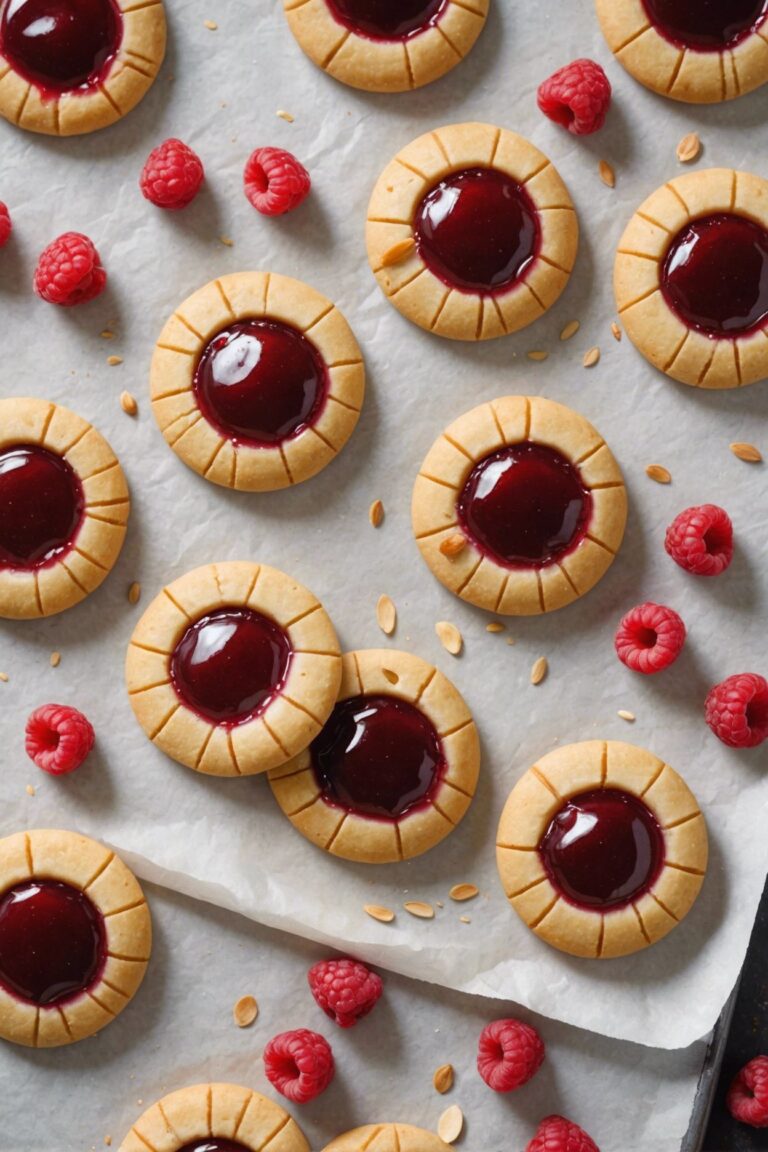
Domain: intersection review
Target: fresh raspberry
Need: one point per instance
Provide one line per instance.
(556, 1134)
(737, 711)
(701, 540)
(577, 97)
(345, 990)
(275, 181)
(58, 738)
(509, 1053)
(650, 637)
(6, 227)
(747, 1098)
(299, 1064)
(172, 175)
(69, 271)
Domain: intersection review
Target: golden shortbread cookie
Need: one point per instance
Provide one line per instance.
(387, 1138)
(601, 849)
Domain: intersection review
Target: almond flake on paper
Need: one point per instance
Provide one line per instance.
(420, 909)
(462, 892)
(628, 716)
(134, 593)
(245, 1011)
(283, 115)
(449, 636)
(211, 25)
(451, 1124)
(539, 356)
(659, 473)
(376, 513)
(747, 452)
(379, 912)
(4, 677)
(689, 148)
(591, 357)
(55, 659)
(539, 670)
(227, 241)
(495, 626)
(30, 790)
(386, 615)
(443, 1079)
(616, 330)
(570, 330)
(607, 174)
(128, 403)
(113, 361)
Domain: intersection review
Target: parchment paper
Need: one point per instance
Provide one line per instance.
(179, 1031)
(226, 841)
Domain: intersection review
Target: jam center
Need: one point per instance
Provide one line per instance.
(706, 25)
(60, 45)
(230, 665)
(378, 756)
(41, 507)
(715, 275)
(603, 849)
(525, 505)
(260, 382)
(214, 1144)
(51, 941)
(387, 19)
(478, 231)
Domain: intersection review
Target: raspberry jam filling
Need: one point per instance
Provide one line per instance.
(525, 506)
(478, 231)
(260, 382)
(603, 849)
(387, 19)
(230, 665)
(706, 25)
(61, 45)
(214, 1144)
(378, 756)
(52, 943)
(715, 275)
(41, 507)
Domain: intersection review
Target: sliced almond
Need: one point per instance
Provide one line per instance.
(128, 403)
(4, 677)
(211, 25)
(537, 355)
(376, 513)
(628, 716)
(510, 641)
(245, 1011)
(570, 330)
(386, 614)
(390, 675)
(539, 670)
(449, 636)
(443, 1079)
(107, 334)
(398, 252)
(454, 545)
(30, 790)
(591, 357)
(420, 909)
(464, 920)
(55, 659)
(659, 473)
(113, 361)
(747, 452)
(616, 330)
(462, 892)
(283, 115)
(378, 912)
(495, 626)
(134, 593)
(227, 241)
(607, 174)
(689, 148)
(451, 1124)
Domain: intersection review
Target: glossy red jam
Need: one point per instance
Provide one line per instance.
(260, 382)
(478, 231)
(214, 1144)
(378, 756)
(61, 45)
(41, 507)
(387, 19)
(715, 275)
(706, 25)
(603, 849)
(230, 665)
(52, 942)
(525, 506)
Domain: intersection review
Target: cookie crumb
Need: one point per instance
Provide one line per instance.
(128, 403)
(495, 626)
(113, 361)
(464, 920)
(30, 790)
(55, 659)
(4, 677)
(245, 1011)
(283, 115)
(570, 330)
(747, 452)
(420, 909)
(386, 615)
(616, 330)
(211, 25)
(510, 641)
(443, 1079)
(134, 593)
(378, 912)
(108, 1141)
(451, 1124)
(107, 334)
(538, 356)
(607, 174)
(628, 716)
(398, 252)
(449, 636)
(227, 241)
(539, 670)
(659, 473)
(591, 357)
(462, 892)
(376, 513)
(453, 546)
(689, 148)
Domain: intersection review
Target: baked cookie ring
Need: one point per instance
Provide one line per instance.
(215, 1118)
(694, 52)
(73, 66)
(471, 232)
(257, 381)
(64, 507)
(75, 937)
(386, 45)
(691, 278)
(601, 849)
(394, 769)
(233, 669)
(519, 507)
(385, 1138)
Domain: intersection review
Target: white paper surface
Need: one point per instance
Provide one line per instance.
(226, 841)
(179, 1031)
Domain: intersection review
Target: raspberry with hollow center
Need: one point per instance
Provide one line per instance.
(6, 227)
(172, 175)
(737, 710)
(700, 540)
(345, 990)
(299, 1064)
(58, 738)
(577, 97)
(556, 1134)
(747, 1099)
(509, 1054)
(69, 271)
(649, 638)
(275, 181)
